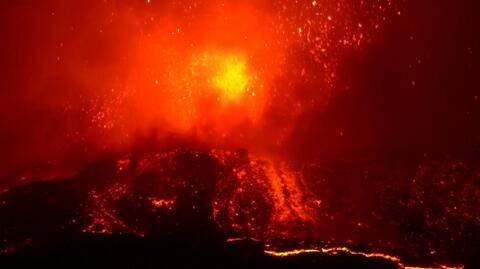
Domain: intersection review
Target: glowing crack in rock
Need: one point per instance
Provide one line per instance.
(345, 250)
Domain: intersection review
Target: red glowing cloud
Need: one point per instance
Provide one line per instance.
(224, 74)
(221, 71)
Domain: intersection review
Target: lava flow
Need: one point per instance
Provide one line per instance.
(344, 128)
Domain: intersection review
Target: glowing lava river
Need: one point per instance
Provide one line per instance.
(239, 134)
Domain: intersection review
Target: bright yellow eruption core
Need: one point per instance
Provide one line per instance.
(231, 78)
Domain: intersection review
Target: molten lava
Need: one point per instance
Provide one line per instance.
(232, 79)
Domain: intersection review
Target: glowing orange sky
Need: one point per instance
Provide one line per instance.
(213, 69)
(223, 73)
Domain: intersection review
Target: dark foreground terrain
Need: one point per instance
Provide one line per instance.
(128, 252)
(156, 211)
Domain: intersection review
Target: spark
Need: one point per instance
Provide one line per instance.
(167, 203)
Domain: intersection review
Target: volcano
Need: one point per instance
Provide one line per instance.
(233, 134)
